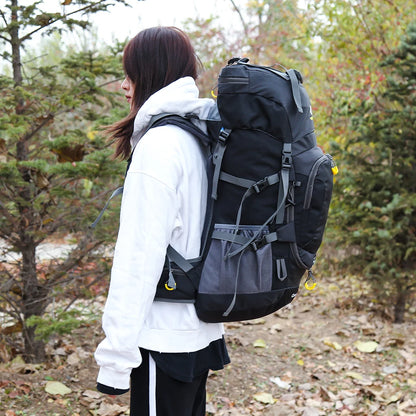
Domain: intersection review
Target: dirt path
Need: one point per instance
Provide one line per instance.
(328, 353)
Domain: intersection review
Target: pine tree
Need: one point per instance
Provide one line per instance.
(376, 208)
(54, 166)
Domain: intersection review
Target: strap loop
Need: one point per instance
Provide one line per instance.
(294, 82)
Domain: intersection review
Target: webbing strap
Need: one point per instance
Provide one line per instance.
(247, 183)
(235, 180)
(217, 159)
(281, 200)
(255, 236)
(256, 187)
(286, 233)
(284, 183)
(115, 193)
(231, 305)
(294, 82)
(175, 257)
(231, 237)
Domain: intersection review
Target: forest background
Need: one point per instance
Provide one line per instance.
(358, 61)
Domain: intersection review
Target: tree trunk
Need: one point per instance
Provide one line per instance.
(34, 295)
(15, 43)
(34, 300)
(400, 306)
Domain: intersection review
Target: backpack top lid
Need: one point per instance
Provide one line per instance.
(257, 97)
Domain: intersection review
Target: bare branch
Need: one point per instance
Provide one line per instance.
(75, 298)
(60, 18)
(16, 309)
(241, 17)
(4, 38)
(72, 260)
(3, 17)
(40, 126)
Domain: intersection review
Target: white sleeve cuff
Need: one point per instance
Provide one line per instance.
(115, 379)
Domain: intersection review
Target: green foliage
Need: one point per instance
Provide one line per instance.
(272, 32)
(363, 104)
(59, 323)
(375, 204)
(55, 162)
(351, 40)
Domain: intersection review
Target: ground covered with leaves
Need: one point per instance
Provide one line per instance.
(333, 351)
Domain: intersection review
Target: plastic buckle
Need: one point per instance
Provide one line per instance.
(223, 135)
(287, 156)
(286, 160)
(260, 185)
(257, 245)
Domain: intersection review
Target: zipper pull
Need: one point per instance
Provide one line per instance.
(170, 284)
(334, 166)
(308, 284)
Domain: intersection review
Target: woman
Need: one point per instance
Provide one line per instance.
(160, 349)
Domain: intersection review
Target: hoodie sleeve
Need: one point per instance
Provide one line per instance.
(148, 213)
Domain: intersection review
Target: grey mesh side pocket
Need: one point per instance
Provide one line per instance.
(247, 272)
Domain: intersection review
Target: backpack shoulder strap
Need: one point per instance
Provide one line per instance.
(182, 122)
(207, 140)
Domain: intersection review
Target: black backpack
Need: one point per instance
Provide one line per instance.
(270, 190)
(270, 187)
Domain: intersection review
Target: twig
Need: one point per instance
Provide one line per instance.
(61, 17)
(3, 16)
(241, 17)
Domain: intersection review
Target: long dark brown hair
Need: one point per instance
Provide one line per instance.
(153, 59)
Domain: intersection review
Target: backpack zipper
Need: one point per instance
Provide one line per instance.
(311, 180)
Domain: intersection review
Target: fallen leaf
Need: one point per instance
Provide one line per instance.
(310, 411)
(366, 346)
(265, 398)
(412, 384)
(395, 342)
(354, 375)
(394, 397)
(73, 359)
(259, 343)
(326, 395)
(412, 370)
(210, 409)
(408, 356)
(276, 328)
(239, 340)
(92, 394)
(343, 333)
(332, 344)
(107, 409)
(18, 360)
(56, 387)
(390, 369)
(258, 321)
(282, 384)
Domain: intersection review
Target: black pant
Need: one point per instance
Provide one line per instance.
(154, 393)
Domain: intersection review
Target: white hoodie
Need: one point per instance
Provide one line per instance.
(163, 203)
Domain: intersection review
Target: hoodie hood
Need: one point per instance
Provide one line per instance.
(179, 98)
